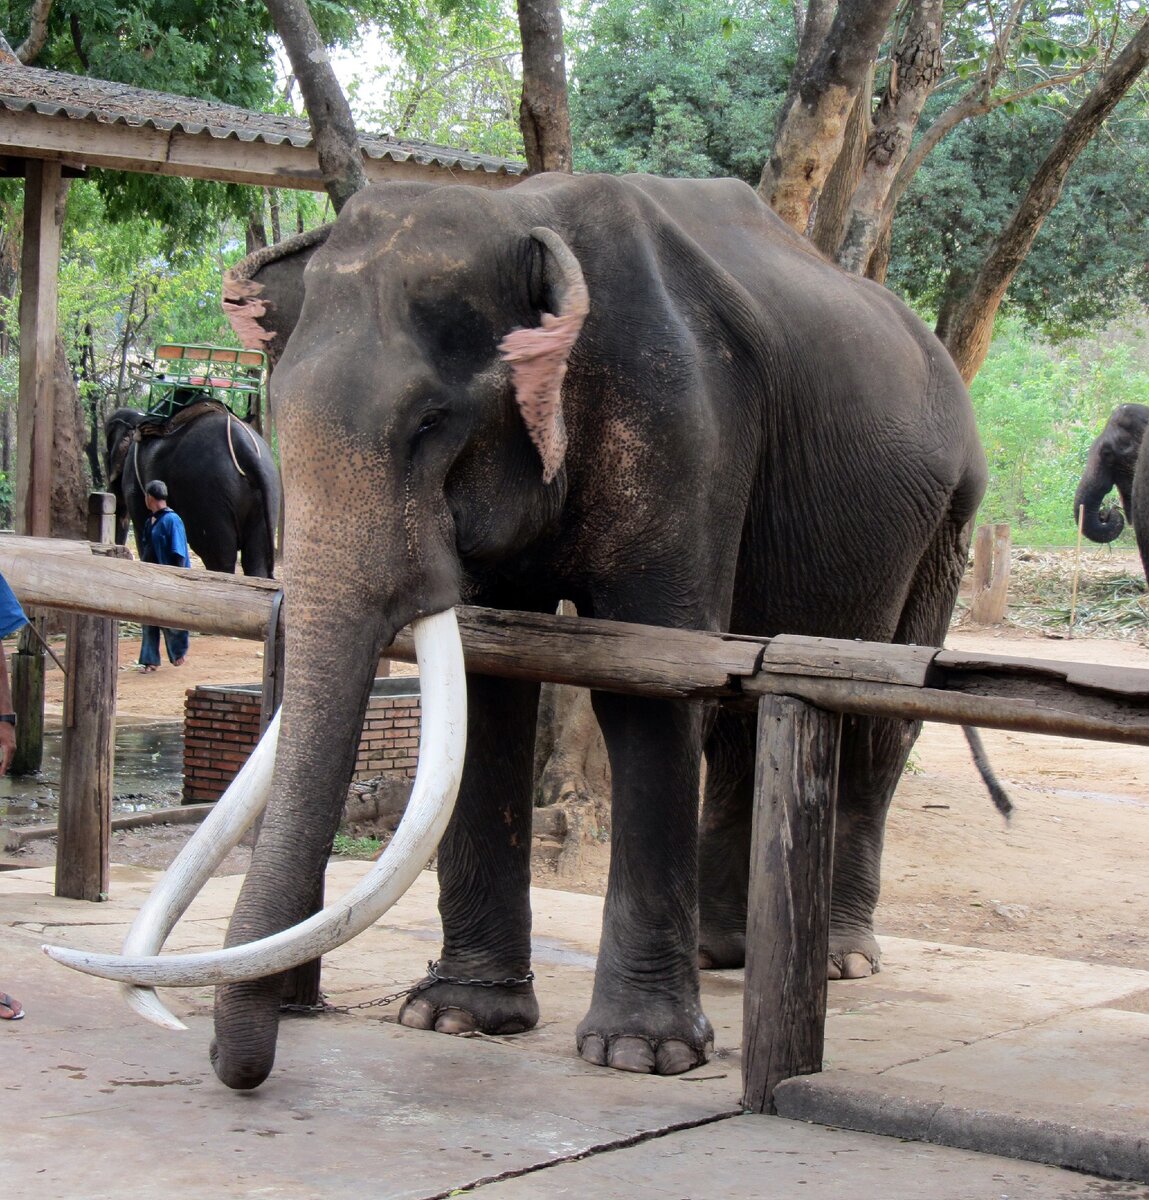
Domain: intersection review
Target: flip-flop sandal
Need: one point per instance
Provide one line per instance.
(10, 1008)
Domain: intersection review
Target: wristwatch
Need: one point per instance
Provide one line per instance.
(8, 718)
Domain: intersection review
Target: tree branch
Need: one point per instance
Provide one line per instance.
(332, 125)
(967, 328)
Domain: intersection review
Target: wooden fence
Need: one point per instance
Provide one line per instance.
(799, 686)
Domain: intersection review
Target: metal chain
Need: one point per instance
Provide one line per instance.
(433, 977)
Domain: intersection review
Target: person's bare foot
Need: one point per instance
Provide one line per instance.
(147, 668)
(10, 1008)
(179, 662)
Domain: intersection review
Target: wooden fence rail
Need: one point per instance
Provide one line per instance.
(799, 687)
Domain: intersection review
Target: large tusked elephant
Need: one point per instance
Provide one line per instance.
(648, 396)
(221, 477)
(1118, 458)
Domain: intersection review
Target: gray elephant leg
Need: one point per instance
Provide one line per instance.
(484, 864)
(646, 1013)
(724, 842)
(873, 754)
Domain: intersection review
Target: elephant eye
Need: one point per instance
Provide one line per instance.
(430, 420)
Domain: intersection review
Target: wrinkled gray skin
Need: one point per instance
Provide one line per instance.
(757, 442)
(228, 516)
(1118, 458)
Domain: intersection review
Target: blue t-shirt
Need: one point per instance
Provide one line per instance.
(167, 540)
(11, 614)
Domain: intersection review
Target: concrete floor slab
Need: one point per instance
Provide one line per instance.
(768, 1156)
(97, 1103)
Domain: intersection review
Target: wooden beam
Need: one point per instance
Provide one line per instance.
(66, 575)
(909, 682)
(44, 196)
(120, 147)
(788, 913)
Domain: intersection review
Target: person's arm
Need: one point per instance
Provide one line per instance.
(7, 728)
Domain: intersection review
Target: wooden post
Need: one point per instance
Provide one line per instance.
(990, 574)
(28, 698)
(88, 759)
(788, 926)
(101, 517)
(44, 195)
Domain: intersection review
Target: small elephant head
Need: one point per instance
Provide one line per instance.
(1111, 463)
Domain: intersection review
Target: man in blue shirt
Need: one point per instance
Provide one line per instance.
(163, 540)
(11, 618)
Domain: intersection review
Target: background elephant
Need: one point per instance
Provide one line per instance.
(221, 477)
(653, 399)
(1118, 458)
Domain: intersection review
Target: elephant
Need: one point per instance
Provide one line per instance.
(1118, 458)
(221, 477)
(649, 397)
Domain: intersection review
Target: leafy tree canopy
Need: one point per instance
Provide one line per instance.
(448, 77)
(1088, 262)
(678, 89)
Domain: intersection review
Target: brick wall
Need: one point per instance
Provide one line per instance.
(221, 726)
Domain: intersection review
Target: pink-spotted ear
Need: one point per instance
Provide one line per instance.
(538, 356)
(244, 308)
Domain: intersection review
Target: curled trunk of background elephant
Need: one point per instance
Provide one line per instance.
(1096, 523)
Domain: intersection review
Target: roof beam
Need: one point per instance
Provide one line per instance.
(80, 143)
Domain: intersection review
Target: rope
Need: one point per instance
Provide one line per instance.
(231, 449)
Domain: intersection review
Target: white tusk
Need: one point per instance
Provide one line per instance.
(441, 749)
(233, 815)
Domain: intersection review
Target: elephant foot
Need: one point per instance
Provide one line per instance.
(675, 1047)
(720, 949)
(447, 1007)
(853, 956)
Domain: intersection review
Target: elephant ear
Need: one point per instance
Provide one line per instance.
(538, 356)
(263, 293)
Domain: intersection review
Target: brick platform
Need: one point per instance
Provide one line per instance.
(221, 725)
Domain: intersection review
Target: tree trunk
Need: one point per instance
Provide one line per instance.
(914, 72)
(812, 128)
(845, 175)
(70, 482)
(968, 327)
(332, 126)
(544, 117)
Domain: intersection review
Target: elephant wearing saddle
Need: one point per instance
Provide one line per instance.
(221, 477)
(1118, 458)
(644, 395)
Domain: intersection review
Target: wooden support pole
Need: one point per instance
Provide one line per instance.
(788, 927)
(88, 757)
(101, 517)
(28, 698)
(44, 195)
(990, 575)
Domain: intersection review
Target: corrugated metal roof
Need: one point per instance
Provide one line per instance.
(78, 98)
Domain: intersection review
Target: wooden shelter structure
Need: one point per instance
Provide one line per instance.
(54, 126)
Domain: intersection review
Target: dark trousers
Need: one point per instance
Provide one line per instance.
(175, 640)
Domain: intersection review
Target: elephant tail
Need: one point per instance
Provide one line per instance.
(998, 794)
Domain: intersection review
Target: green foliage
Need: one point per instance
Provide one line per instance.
(352, 847)
(1087, 264)
(1038, 408)
(455, 82)
(677, 89)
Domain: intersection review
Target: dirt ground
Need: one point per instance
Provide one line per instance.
(1065, 877)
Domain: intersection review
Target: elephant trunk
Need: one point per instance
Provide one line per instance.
(293, 847)
(1096, 523)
